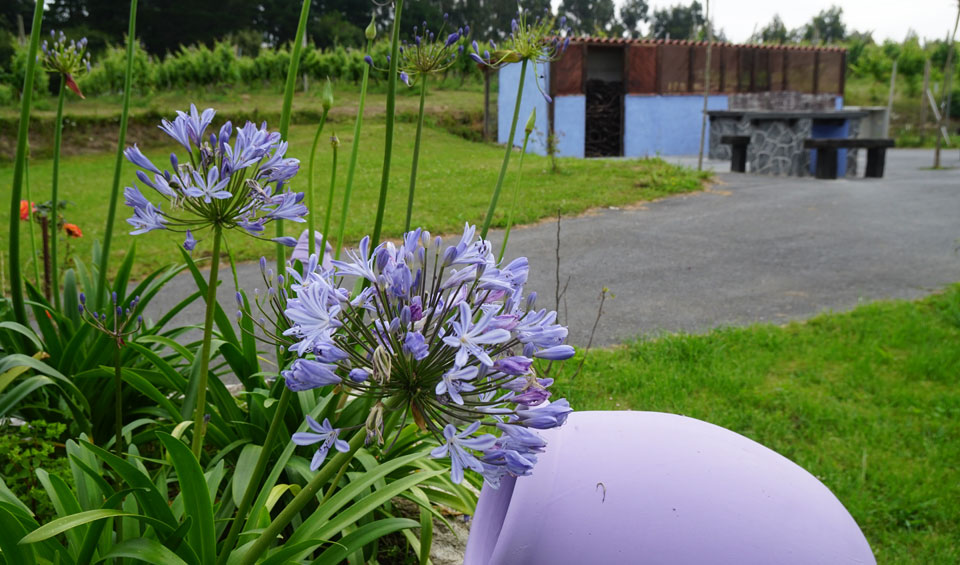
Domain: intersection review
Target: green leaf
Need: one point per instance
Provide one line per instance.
(196, 497)
(64, 502)
(361, 537)
(71, 297)
(11, 530)
(174, 378)
(6, 495)
(244, 471)
(66, 523)
(143, 549)
(133, 378)
(23, 330)
(222, 320)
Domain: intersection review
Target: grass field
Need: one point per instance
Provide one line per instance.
(455, 181)
(867, 401)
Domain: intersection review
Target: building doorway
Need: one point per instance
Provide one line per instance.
(604, 102)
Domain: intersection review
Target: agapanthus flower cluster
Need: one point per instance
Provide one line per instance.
(431, 51)
(442, 333)
(227, 179)
(67, 58)
(541, 41)
(120, 325)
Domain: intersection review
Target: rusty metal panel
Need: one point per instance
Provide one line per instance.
(761, 70)
(731, 68)
(800, 71)
(745, 76)
(674, 69)
(830, 72)
(700, 63)
(641, 69)
(776, 69)
(566, 73)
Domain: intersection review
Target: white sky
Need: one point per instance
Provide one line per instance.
(888, 19)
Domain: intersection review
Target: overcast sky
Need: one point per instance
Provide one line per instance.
(886, 18)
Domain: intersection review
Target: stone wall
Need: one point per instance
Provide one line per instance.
(783, 101)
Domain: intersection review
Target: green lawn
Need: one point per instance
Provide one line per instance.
(868, 401)
(455, 182)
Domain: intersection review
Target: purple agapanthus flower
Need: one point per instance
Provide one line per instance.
(445, 333)
(231, 178)
(324, 434)
(457, 446)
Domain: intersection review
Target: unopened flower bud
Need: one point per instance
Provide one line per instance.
(531, 121)
(326, 100)
(371, 32)
(382, 365)
(334, 141)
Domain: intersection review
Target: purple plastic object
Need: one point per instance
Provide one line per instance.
(647, 487)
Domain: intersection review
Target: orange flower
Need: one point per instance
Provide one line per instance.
(73, 230)
(25, 209)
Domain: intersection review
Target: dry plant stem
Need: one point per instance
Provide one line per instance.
(19, 171)
(198, 415)
(416, 153)
(593, 331)
(253, 486)
(121, 140)
(506, 156)
(54, 194)
(557, 291)
(312, 244)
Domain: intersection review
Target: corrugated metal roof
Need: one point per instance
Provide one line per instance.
(588, 40)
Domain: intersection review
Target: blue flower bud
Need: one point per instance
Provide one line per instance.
(263, 264)
(404, 78)
(239, 299)
(451, 39)
(368, 60)
(114, 296)
(286, 241)
(83, 298)
(80, 307)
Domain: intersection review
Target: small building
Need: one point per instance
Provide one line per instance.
(637, 98)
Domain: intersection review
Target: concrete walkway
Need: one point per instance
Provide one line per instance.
(750, 249)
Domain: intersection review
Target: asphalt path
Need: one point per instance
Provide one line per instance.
(750, 249)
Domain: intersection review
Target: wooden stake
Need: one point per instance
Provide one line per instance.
(706, 87)
(947, 79)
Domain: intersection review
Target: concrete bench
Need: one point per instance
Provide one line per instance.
(827, 154)
(738, 151)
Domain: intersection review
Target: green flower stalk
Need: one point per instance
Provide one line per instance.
(391, 118)
(370, 33)
(69, 60)
(430, 53)
(326, 104)
(334, 145)
(28, 210)
(19, 171)
(121, 140)
(119, 325)
(536, 42)
(531, 122)
(287, 108)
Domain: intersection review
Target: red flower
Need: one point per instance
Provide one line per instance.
(73, 230)
(25, 209)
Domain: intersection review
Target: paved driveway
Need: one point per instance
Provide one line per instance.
(751, 249)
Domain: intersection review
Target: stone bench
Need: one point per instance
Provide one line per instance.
(827, 154)
(738, 151)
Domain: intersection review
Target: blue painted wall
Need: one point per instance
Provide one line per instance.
(570, 121)
(665, 125)
(509, 79)
(839, 102)
(821, 130)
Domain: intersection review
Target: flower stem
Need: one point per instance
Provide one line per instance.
(516, 195)
(19, 169)
(506, 157)
(311, 246)
(308, 493)
(388, 137)
(121, 139)
(354, 150)
(31, 221)
(326, 220)
(253, 485)
(416, 153)
(118, 401)
(198, 423)
(54, 196)
(285, 112)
